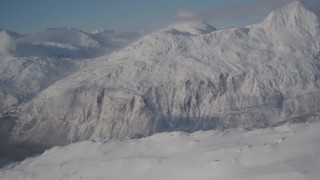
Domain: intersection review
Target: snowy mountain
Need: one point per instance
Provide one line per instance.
(31, 63)
(193, 27)
(257, 76)
(56, 42)
(23, 77)
(112, 40)
(70, 43)
(290, 20)
(290, 152)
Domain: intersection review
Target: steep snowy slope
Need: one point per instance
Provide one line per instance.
(257, 76)
(50, 48)
(30, 63)
(283, 153)
(23, 77)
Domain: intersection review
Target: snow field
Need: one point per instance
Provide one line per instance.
(288, 152)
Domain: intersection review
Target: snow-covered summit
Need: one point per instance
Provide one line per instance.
(65, 42)
(193, 27)
(292, 17)
(98, 31)
(70, 36)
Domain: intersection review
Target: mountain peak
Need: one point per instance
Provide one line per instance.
(293, 16)
(194, 27)
(291, 10)
(98, 31)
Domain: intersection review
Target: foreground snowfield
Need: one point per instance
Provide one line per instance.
(286, 152)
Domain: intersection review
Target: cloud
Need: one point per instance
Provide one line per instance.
(186, 15)
(243, 10)
(311, 2)
(239, 12)
(313, 5)
(182, 13)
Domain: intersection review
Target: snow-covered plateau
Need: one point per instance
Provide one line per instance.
(288, 152)
(64, 85)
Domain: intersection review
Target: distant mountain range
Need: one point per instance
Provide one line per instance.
(189, 76)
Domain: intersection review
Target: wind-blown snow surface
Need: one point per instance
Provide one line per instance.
(257, 76)
(289, 152)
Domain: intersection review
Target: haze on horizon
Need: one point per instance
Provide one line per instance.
(37, 15)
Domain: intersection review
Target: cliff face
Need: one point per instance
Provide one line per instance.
(256, 76)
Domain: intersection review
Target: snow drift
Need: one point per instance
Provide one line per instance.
(290, 152)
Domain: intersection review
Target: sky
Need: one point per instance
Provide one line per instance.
(27, 16)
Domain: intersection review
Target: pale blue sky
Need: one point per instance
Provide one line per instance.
(25, 16)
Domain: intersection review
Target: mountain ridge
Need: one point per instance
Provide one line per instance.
(292, 17)
(241, 77)
(193, 27)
